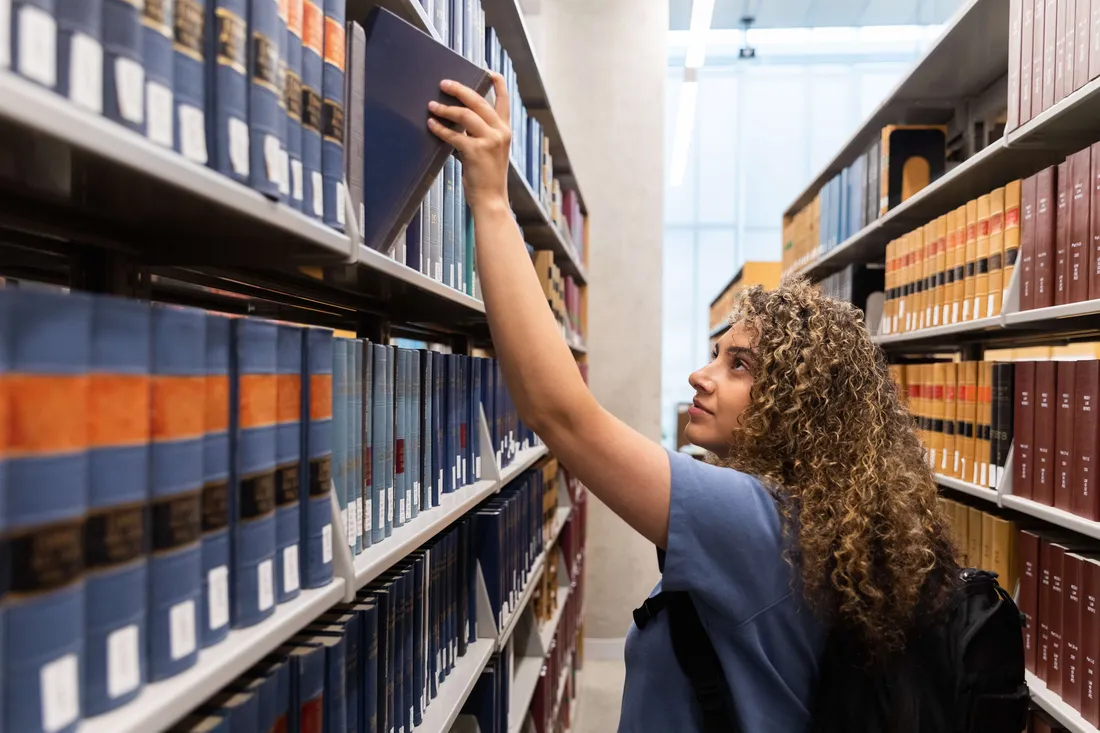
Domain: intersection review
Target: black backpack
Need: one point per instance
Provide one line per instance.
(963, 673)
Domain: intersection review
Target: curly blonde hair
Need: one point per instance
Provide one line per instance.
(828, 432)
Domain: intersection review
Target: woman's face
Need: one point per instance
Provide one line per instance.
(721, 392)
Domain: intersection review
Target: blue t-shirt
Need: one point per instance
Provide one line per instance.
(725, 547)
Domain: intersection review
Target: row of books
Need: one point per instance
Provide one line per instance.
(549, 706)
(984, 539)
(956, 267)
(562, 292)
(964, 414)
(1049, 55)
(876, 182)
(862, 286)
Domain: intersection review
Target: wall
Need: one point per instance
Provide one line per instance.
(604, 67)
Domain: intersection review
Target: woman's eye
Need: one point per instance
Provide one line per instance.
(740, 365)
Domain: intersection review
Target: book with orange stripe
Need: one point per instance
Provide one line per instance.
(215, 487)
(116, 565)
(316, 471)
(178, 410)
(44, 503)
(252, 412)
(288, 457)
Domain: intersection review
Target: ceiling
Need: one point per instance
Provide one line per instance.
(816, 13)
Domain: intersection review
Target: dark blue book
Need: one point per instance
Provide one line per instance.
(471, 579)
(257, 684)
(159, 60)
(400, 477)
(412, 425)
(465, 434)
(346, 627)
(123, 68)
(316, 470)
(340, 428)
(252, 441)
(227, 64)
(202, 723)
(366, 428)
(490, 554)
(378, 443)
(393, 518)
(313, 46)
(401, 622)
(189, 79)
(460, 230)
(408, 593)
(293, 102)
(307, 686)
(116, 566)
(438, 441)
(332, 114)
(265, 118)
(449, 222)
(452, 595)
(413, 235)
(283, 38)
(175, 565)
(402, 156)
(434, 606)
(288, 461)
(461, 542)
(80, 52)
(352, 483)
(368, 625)
(240, 708)
(424, 418)
(49, 336)
(435, 229)
(385, 598)
(455, 417)
(419, 683)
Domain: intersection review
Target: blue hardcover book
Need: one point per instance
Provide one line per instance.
(384, 599)
(214, 605)
(471, 580)
(457, 23)
(114, 532)
(178, 429)
(316, 469)
(394, 518)
(332, 114)
(435, 231)
(463, 540)
(449, 222)
(452, 593)
(340, 427)
(265, 118)
(80, 52)
(159, 59)
(410, 651)
(252, 450)
(490, 556)
(432, 608)
(307, 686)
(400, 709)
(279, 671)
(412, 488)
(439, 424)
(351, 416)
(419, 684)
(288, 461)
(424, 421)
(256, 683)
(460, 230)
(455, 418)
(292, 92)
(283, 37)
(189, 79)
(227, 135)
(313, 45)
(413, 235)
(123, 68)
(465, 426)
(241, 708)
(413, 423)
(344, 626)
(366, 415)
(399, 437)
(47, 338)
(378, 444)
(447, 465)
(356, 427)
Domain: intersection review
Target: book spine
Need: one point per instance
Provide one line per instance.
(332, 114)
(1064, 434)
(366, 414)
(1055, 608)
(1079, 226)
(438, 440)
(368, 624)
(114, 532)
(427, 386)
(400, 476)
(175, 566)
(971, 250)
(1028, 570)
(1045, 203)
(410, 652)
(1059, 80)
(1024, 431)
(1045, 404)
(252, 450)
(308, 681)
(339, 428)
(1072, 664)
(1085, 435)
(1090, 640)
(1038, 56)
(123, 70)
(412, 421)
(1028, 239)
(350, 417)
(264, 114)
(313, 34)
(227, 87)
(1006, 420)
(79, 52)
(315, 507)
(393, 518)
(1094, 42)
(355, 421)
(378, 444)
(449, 222)
(435, 229)
(1027, 41)
(419, 685)
(981, 276)
(282, 37)
(189, 80)
(1082, 15)
(159, 61)
(292, 101)
(1062, 235)
(288, 460)
(413, 236)
(214, 613)
(1012, 230)
(1094, 222)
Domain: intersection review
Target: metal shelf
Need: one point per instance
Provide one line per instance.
(941, 334)
(550, 628)
(538, 229)
(980, 492)
(525, 679)
(1056, 707)
(514, 614)
(1059, 517)
(445, 708)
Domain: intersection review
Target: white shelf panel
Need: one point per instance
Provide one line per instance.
(513, 617)
(981, 492)
(444, 709)
(525, 678)
(548, 629)
(1056, 707)
(1037, 316)
(1059, 517)
(376, 559)
(162, 704)
(935, 332)
(523, 460)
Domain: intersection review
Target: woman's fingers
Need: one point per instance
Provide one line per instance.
(472, 100)
(503, 110)
(464, 116)
(458, 140)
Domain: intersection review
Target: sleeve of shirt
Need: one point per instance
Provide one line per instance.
(724, 541)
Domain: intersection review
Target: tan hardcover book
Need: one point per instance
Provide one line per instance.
(1004, 552)
(936, 409)
(916, 245)
(960, 266)
(969, 419)
(888, 278)
(974, 536)
(970, 278)
(941, 271)
(950, 397)
(987, 541)
(985, 397)
(996, 250)
(962, 521)
(1012, 230)
(949, 275)
(981, 275)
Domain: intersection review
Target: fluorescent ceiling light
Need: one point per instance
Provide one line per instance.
(701, 13)
(685, 126)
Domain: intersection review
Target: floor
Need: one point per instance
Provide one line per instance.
(601, 692)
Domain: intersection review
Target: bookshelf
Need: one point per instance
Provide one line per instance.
(103, 209)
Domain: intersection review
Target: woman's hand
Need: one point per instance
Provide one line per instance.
(484, 146)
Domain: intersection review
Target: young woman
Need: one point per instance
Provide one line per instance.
(819, 521)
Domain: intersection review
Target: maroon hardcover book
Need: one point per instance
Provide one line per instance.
(1071, 629)
(1050, 51)
(1038, 56)
(1094, 42)
(1080, 253)
(1064, 435)
(1023, 425)
(1027, 42)
(1045, 203)
(1043, 650)
(1042, 485)
(1086, 383)
(1083, 16)
(1027, 553)
(1070, 29)
(1061, 236)
(1028, 193)
(1015, 22)
(1060, 51)
(1090, 640)
(1094, 221)
(1055, 560)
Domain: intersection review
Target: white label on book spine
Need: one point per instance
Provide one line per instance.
(477, 467)
(465, 475)
(416, 491)
(345, 521)
(989, 306)
(158, 99)
(441, 479)
(438, 272)
(326, 544)
(296, 179)
(935, 316)
(217, 596)
(368, 516)
(340, 203)
(5, 34)
(238, 146)
(357, 530)
(59, 680)
(389, 504)
(123, 661)
(291, 579)
(192, 124)
(130, 89)
(37, 46)
(401, 509)
(181, 625)
(86, 72)
(966, 310)
(273, 164)
(284, 171)
(318, 193)
(409, 501)
(364, 519)
(265, 582)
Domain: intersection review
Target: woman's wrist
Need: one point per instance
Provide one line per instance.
(490, 207)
